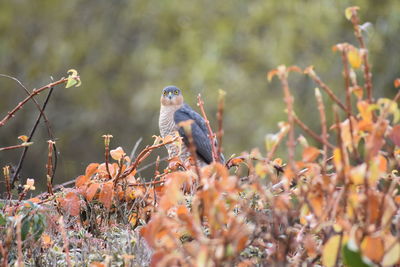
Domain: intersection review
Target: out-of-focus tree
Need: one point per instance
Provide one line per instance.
(127, 51)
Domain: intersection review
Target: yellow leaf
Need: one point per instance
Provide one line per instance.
(23, 138)
(261, 170)
(357, 91)
(354, 58)
(337, 159)
(330, 251)
(392, 256)
(349, 11)
(357, 174)
(29, 184)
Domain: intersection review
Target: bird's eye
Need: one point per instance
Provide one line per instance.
(165, 93)
(176, 92)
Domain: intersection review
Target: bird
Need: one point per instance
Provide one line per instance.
(173, 111)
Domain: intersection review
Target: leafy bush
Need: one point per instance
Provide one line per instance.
(333, 205)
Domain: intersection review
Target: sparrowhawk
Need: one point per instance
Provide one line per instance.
(173, 111)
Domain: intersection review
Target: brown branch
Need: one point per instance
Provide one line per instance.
(25, 144)
(187, 127)
(65, 240)
(346, 74)
(288, 98)
(355, 20)
(41, 110)
(49, 167)
(324, 135)
(312, 133)
(310, 72)
(6, 173)
(143, 155)
(11, 113)
(107, 138)
(220, 114)
(200, 103)
(148, 183)
(272, 151)
(19, 241)
(22, 158)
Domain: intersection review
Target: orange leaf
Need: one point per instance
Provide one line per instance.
(310, 154)
(373, 207)
(81, 180)
(91, 169)
(91, 191)
(34, 200)
(182, 212)
(397, 83)
(106, 194)
(97, 264)
(372, 248)
(46, 241)
(271, 74)
(71, 203)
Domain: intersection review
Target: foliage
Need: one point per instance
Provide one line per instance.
(132, 49)
(330, 205)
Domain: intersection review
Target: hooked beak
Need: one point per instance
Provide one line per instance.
(170, 95)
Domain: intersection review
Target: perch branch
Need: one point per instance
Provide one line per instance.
(200, 104)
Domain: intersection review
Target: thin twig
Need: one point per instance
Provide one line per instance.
(310, 72)
(288, 98)
(49, 131)
(25, 144)
(187, 127)
(6, 173)
(355, 20)
(133, 152)
(220, 114)
(49, 167)
(312, 133)
(19, 241)
(143, 155)
(344, 50)
(65, 241)
(200, 103)
(22, 158)
(11, 113)
(324, 135)
(107, 138)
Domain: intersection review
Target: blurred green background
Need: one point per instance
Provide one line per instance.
(127, 51)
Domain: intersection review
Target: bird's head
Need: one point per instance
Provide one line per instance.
(171, 96)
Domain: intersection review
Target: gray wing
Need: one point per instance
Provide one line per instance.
(199, 132)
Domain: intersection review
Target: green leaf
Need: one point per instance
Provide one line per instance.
(3, 220)
(26, 225)
(73, 79)
(352, 258)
